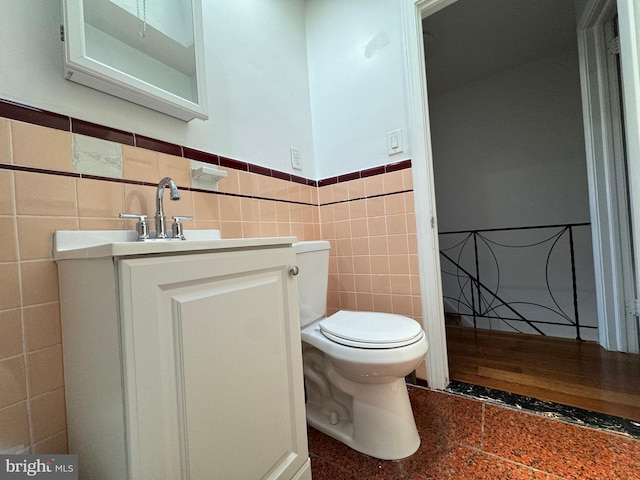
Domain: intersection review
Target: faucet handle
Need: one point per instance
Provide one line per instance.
(177, 226)
(142, 227)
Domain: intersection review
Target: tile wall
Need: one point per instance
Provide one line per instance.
(374, 262)
(45, 186)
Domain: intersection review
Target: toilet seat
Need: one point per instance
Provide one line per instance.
(371, 329)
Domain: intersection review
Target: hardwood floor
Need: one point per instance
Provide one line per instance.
(579, 374)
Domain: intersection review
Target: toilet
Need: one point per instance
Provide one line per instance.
(354, 366)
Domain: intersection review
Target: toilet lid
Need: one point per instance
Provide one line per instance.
(371, 329)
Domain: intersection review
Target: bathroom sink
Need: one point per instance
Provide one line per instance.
(68, 244)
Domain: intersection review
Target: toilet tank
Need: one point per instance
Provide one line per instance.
(312, 258)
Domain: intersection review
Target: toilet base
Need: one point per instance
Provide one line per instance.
(380, 423)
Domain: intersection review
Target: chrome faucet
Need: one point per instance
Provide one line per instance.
(161, 230)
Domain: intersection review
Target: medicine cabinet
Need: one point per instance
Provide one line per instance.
(149, 52)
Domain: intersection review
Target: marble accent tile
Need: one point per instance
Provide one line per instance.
(94, 156)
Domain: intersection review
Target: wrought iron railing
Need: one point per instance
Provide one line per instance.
(524, 278)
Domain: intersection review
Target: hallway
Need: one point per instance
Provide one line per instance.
(578, 374)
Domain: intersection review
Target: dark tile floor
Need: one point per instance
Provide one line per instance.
(464, 438)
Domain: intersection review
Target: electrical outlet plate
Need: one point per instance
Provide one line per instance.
(296, 158)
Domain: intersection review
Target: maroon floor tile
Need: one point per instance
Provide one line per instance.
(456, 444)
(559, 448)
(324, 448)
(323, 470)
(441, 415)
(462, 463)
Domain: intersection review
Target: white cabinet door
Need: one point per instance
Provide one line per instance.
(213, 371)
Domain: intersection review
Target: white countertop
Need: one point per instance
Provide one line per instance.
(74, 244)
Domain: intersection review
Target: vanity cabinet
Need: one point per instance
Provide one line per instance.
(185, 365)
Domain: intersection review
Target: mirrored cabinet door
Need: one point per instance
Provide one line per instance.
(146, 51)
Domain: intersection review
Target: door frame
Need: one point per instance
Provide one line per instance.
(629, 26)
(606, 171)
(422, 166)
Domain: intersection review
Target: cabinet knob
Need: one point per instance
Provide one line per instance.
(294, 270)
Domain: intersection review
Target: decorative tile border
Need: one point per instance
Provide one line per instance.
(369, 172)
(37, 116)
(557, 411)
(104, 133)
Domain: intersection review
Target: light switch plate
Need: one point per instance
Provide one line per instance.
(394, 142)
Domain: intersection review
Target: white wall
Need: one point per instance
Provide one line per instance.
(357, 80)
(256, 73)
(509, 152)
(509, 149)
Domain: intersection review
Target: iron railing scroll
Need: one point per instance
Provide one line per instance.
(519, 279)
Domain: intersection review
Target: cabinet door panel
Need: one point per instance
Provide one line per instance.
(210, 370)
(235, 353)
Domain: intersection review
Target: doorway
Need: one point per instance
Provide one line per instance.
(509, 167)
(414, 12)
